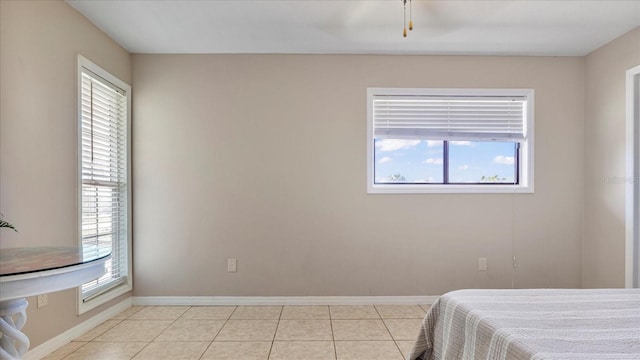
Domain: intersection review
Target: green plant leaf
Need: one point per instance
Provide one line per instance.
(4, 224)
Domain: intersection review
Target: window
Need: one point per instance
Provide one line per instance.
(104, 107)
(449, 140)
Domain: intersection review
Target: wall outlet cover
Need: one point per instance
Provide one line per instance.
(232, 265)
(482, 264)
(43, 300)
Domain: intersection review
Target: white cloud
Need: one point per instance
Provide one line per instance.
(463, 167)
(434, 143)
(504, 160)
(433, 161)
(395, 144)
(460, 143)
(385, 159)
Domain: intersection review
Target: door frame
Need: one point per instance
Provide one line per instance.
(632, 196)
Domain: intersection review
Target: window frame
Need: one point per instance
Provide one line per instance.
(118, 287)
(525, 154)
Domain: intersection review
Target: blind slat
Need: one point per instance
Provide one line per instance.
(450, 117)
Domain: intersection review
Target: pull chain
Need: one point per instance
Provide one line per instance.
(404, 19)
(404, 30)
(410, 17)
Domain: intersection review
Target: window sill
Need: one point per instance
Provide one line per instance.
(84, 306)
(449, 189)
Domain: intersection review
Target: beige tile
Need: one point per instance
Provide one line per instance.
(403, 329)
(426, 307)
(360, 330)
(320, 312)
(307, 350)
(209, 312)
(248, 330)
(107, 351)
(367, 350)
(238, 351)
(125, 314)
(98, 330)
(353, 312)
(405, 347)
(400, 311)
(173, 351)
(257, 313)
(191, 330)
(64, 350)
(159, 313)
(135, 330)
(304, 330)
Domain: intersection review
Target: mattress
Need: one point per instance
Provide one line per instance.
(549, 324)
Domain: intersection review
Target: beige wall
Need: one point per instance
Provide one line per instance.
(263, 158)
(605, 144)
(39, 42)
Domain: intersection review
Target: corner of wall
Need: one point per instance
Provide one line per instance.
(605, 137)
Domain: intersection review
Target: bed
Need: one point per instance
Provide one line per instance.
(541, 324)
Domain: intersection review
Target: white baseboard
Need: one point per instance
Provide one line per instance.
(57, 342)
(283, 300)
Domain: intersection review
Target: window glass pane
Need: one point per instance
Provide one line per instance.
(99, 230)
(482, 162)
(407, 161)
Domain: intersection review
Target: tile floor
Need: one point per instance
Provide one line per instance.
(380, 332)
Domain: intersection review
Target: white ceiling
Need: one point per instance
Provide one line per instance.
(506, 27)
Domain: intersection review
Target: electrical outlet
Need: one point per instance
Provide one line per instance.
(232, 265)
(482, 264)
(43, 300)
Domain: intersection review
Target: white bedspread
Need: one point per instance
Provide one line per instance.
(549, 324)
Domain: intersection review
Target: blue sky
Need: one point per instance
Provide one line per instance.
(421, 160)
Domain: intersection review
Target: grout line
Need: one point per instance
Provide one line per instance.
(149, 343)
(398, 347)
(369, 340)
(167, 328)
(208, 346)
(389, 331)
(225, 323)
(139, 351)
(333, 336)
(276, 332)
(219, 331)
(69, 354)
(135, 312)
(256, 341)
(94, 339)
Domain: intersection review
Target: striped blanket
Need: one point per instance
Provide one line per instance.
(541, 324)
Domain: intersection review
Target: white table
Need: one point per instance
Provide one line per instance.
(34, 271)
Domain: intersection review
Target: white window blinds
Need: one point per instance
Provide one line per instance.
(104, 178)
(450, 117)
